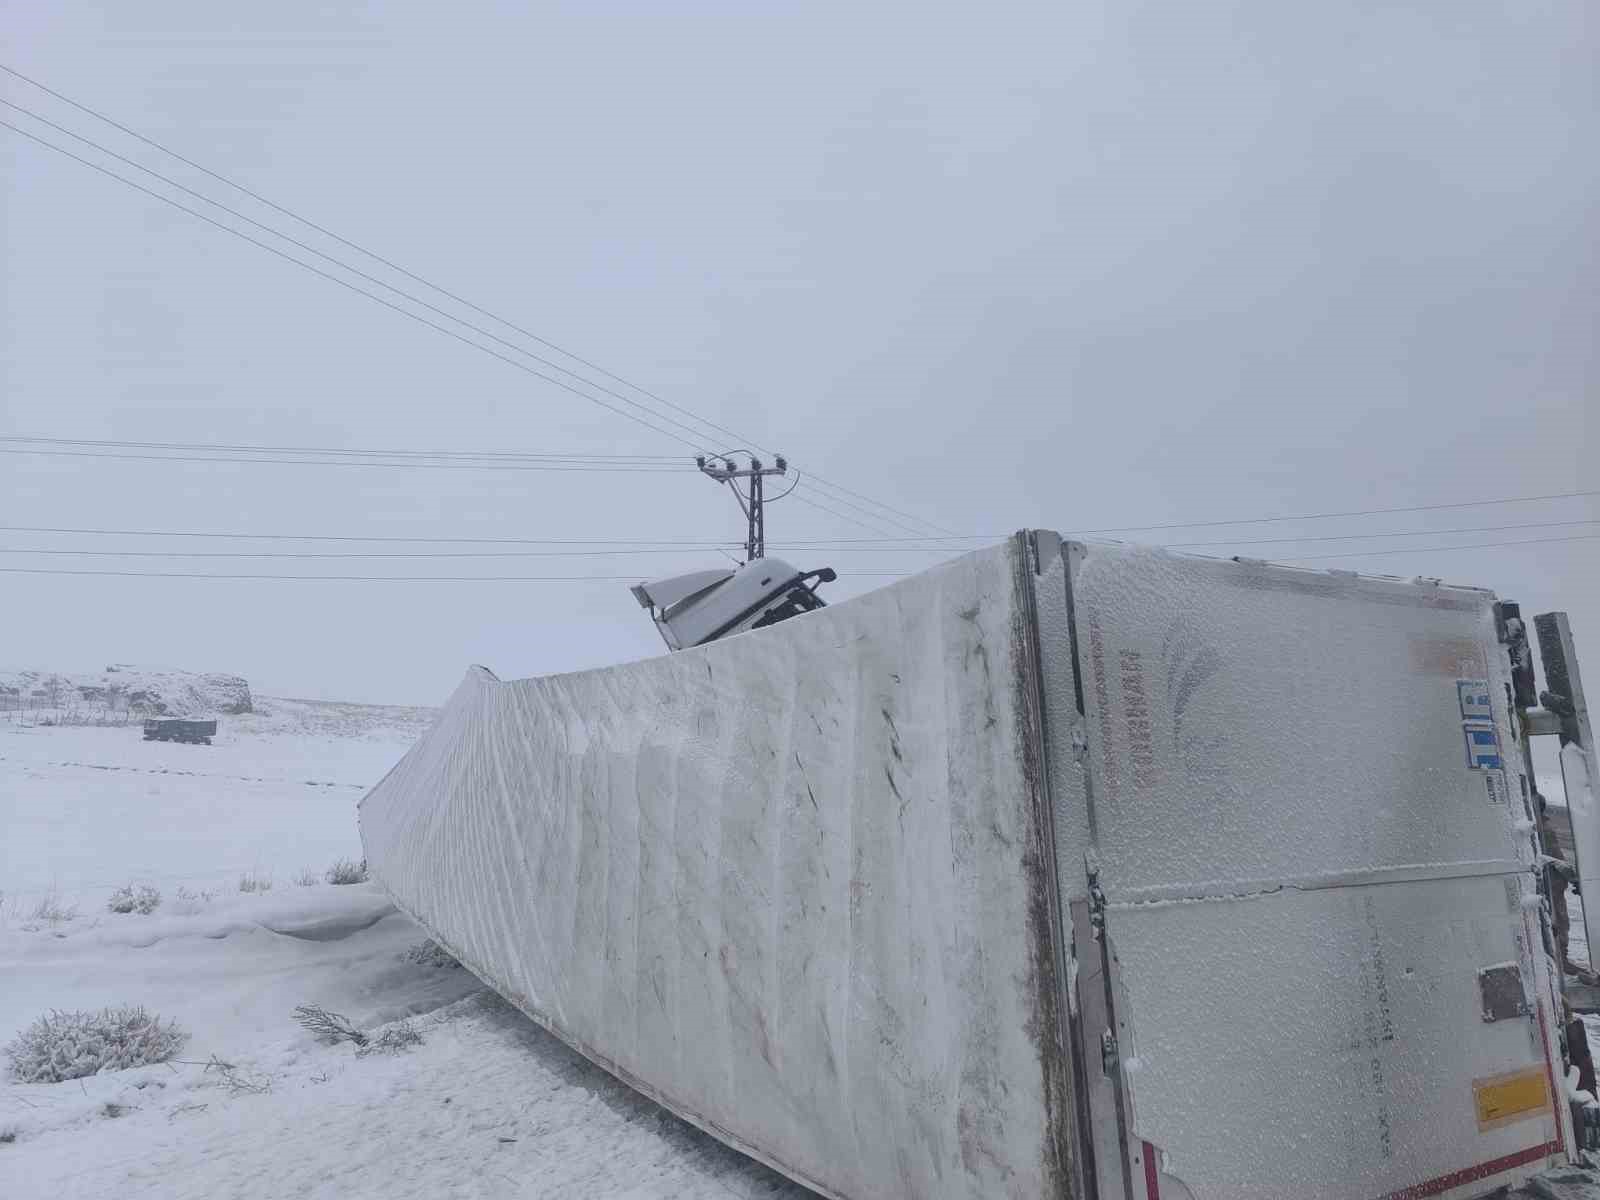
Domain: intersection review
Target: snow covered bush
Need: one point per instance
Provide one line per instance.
(49, 911)
(430, 954)
(307, 878)
(238, 1079)
(139, 898)
(348, 871)
(8, 1135)
(399, 1036)
(255, 882)
(70, 1045)
(329, 1027)
(190, 902)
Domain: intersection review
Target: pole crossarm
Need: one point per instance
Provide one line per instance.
(752, 502)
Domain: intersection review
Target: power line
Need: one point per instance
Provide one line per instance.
(880, 504)
(359, 578)
(104, 448)
(867, 512)
(1356, 537)
(1578, 537)
(626, 578)
(331, 537)
(393, 266)
(412, 276)
(1323, 516)
(1319, 516)
(344, 283)
(357, 271)
(681, 548)
(411, 465)
(796, 543)
(806, 500)
(513, 455)
(334, 578)
(362, 554)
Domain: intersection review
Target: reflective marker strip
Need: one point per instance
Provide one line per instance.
(1510, 1097)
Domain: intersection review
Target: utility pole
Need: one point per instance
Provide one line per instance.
(724, 470)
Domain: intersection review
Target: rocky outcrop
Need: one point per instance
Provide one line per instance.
(147, 691)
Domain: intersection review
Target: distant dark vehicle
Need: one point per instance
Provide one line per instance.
(170, 729)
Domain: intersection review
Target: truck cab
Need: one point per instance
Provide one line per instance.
(702, 606)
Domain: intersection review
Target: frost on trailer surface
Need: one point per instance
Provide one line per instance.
(1303, 874)
(814, 887)
(793, 884)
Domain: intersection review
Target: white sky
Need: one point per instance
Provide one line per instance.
(1073, 266)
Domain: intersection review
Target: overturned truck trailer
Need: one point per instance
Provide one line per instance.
(1057, 870)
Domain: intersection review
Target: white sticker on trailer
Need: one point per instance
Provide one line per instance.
(1473, 695)
(1483, 748)
(1494, 783)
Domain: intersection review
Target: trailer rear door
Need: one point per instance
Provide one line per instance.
(1323, 972)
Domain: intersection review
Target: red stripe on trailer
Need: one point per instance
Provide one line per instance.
(1152, 1187)
(1506, 1162)
(1544, 1041)
(1494, 1166)
(1549, 1067)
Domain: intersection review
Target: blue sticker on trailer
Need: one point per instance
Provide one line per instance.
(1483, 748)
(1474, 697)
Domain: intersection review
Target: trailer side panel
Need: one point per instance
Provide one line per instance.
(793, 884)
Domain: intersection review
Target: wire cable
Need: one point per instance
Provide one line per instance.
(626, 578)
(1323, 516)
(55, 551)
(370, 278)
(110, 174)
(1353, 537)
(412, 465)
(394, 266)
(880, 504)
(802, 499)
(1578, 537)
(866, 512)
(792, 543)
(340, 537)
(358, 578)
(513, 455)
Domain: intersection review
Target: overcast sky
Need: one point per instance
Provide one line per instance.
(1071, 265)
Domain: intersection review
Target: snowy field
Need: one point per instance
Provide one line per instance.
(486, 1106)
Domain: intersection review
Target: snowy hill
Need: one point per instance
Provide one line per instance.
(124, 690)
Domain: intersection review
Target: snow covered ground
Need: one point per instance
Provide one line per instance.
(487, 1106)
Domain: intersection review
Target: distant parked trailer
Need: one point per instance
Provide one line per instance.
(167, 729)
